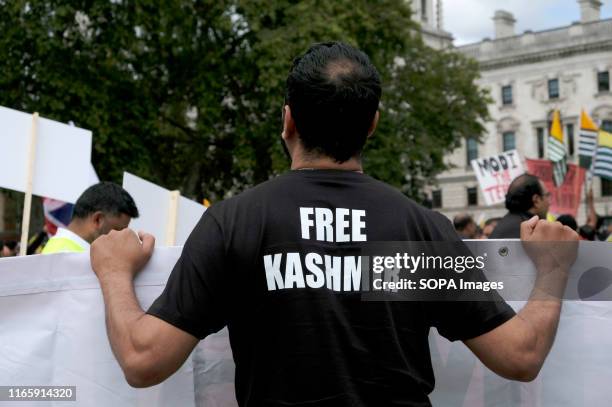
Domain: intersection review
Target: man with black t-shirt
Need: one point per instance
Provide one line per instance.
(267, 265)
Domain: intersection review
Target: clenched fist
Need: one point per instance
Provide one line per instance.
(121, 253)
(550, 245)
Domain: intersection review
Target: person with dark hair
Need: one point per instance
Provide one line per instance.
(465, 226)
(101, 208)
(489, 227)
(527, 196)
(568, 220)
(276, 265)
(586, 232)
(332, 101)
(10, 248)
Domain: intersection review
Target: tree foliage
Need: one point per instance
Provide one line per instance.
(189, 93)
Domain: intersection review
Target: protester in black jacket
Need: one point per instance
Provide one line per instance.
(526, 196)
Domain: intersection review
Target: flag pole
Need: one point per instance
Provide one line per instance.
(587, 180)
(27, 201)
(172, 218)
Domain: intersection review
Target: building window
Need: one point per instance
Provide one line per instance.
(506, 95)
(603, 81)
(540, 136)
(472, 149)
(553, 88)
(569, 128)
(508, 141)
(606, 125)
(472, 196)
(436, 198)
(424, 11)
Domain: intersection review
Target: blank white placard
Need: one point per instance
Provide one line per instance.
(63, 156)
(153, 203)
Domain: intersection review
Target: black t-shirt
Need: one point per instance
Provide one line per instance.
(295, 345)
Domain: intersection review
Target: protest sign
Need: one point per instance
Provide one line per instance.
(495, 173)
(565, 198)
(43, 157)
(163, 213)
(61, 169)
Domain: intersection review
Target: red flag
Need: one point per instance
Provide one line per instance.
(564, 199)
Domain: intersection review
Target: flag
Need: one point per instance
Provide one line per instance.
(588, 140)
(57, 214)
(556, 150)
(602, 166)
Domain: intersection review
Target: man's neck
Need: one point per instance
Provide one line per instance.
(325, 163)
(78, 228)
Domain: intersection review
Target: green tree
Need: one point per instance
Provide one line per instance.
(429, 107)
(189, 93)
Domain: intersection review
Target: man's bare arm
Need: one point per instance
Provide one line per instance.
(148, 349)
(517, 349)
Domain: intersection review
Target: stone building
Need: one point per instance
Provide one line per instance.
(529, 75)
(428, 13)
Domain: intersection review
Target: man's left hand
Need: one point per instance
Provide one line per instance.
(121, 253)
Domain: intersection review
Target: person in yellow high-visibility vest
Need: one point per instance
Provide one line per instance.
(101, 208)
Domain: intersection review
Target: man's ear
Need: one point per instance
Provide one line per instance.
(374, 124)
(97, 218)
(288, 123)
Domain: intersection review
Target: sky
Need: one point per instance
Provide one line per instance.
(470, 20)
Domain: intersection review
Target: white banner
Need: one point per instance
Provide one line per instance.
(577, 372)
(52, 332)
(495, 173)
(62, 161)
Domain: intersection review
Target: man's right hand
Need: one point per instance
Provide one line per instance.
(550, 245)
(121, 253)
(517, 349)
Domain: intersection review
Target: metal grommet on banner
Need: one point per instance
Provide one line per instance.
(503, 251)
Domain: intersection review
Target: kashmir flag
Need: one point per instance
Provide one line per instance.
(556, 150)
(588, 140)
(602, 166)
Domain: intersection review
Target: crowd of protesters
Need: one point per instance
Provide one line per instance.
(527, 196)
(106, 206)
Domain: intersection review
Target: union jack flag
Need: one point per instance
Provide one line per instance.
(57, 214)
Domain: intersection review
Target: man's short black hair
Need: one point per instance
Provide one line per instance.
(460, 222)
(519, 197)
(106, 197)
(11, 244)
(568, 220)
(333, 91)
